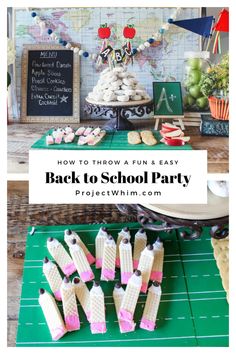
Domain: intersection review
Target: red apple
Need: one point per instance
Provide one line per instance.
(174, 142)
(169, 127)
(104, 32)
(129, 31)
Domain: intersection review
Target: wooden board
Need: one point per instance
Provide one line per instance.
(193, 309)
(50, 89)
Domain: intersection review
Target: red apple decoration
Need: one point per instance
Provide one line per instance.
(104, 32)
(174, 142)
(172, 135)
(129, 31)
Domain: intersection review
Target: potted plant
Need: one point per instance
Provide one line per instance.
(215, 85)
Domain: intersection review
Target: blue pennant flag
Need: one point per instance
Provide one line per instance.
(200, 25)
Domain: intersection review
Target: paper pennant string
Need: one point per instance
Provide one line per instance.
(201, 25)
(222, 24)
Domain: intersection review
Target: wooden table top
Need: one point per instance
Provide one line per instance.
(22, 136)
(21, 215)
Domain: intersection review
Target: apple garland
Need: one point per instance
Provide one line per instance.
(107, 54)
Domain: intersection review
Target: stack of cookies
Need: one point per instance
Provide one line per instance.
(118, 84)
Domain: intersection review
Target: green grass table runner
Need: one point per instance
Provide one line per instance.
(116, 140)
(193, 309)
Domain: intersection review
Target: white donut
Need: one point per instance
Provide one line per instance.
(120, 92)
(105, 71)
(119, 69)
(133, 81)
(125, 87)
(136, 98)
(116, 83)
(123, 98)
(123, 75)
(129, 92)
(109, 97)
(127, 82)
(146, 97)
(140, 92)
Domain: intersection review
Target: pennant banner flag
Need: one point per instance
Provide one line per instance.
(201, 25)
(222, 24)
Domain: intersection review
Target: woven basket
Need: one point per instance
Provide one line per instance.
(219, 108)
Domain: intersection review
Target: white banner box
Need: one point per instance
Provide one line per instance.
(97, 177)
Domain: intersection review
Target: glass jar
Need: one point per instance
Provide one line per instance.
(195, 64)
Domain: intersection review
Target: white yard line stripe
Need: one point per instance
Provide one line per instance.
(128, 340)
(177, 293)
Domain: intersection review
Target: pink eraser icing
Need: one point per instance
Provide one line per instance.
(72, 323)
(99, 327)
(126, 326)
(144, 287)
(98, 262)
(147, 324)
(90, 258)
(135, 263)
(69, 269)
(125, 277)
(125, 315)
(57, 295)
(87, 276)
(156, 276)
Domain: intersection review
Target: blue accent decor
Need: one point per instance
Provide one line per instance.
(64, 43)
(134, 51)
(60, 41)
(49, 31)
(170, 20)
(162, 30)
(150, 40)
(85, 54)
(201, 25)
(33, 14)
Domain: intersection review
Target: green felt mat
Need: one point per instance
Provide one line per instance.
(193, 309)
(116, 140)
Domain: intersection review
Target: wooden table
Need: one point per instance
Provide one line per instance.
(21, 215)
(22, 136)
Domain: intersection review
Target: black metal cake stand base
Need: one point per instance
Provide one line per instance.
(148, 219)
(118, 113)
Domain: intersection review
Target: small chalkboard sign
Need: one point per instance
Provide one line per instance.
(50, 84)
(167, 101)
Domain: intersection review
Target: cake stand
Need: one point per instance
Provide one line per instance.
(214, 214)
(118, 112)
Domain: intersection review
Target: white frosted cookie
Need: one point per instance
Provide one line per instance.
(123, 98)
(136, 98)
(129, 92)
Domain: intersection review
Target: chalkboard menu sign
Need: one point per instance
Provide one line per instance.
(50, 84)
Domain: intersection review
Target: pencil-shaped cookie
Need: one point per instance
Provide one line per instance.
(69, 304)
(60, 255)
(124, 233)
(130, 299)
(140, 242)
(81, 263)
(145, 266)
(126, 262)
(69, 235)
(157, 268)
(149, 316)
(118, 294)
(82, 294)
(109, 259)
(99, 245)
(53, 277)
(97, 308)
(52, 314)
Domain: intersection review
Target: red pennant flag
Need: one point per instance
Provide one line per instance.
(222, 24)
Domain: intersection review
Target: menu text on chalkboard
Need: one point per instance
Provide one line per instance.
(50, 83)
